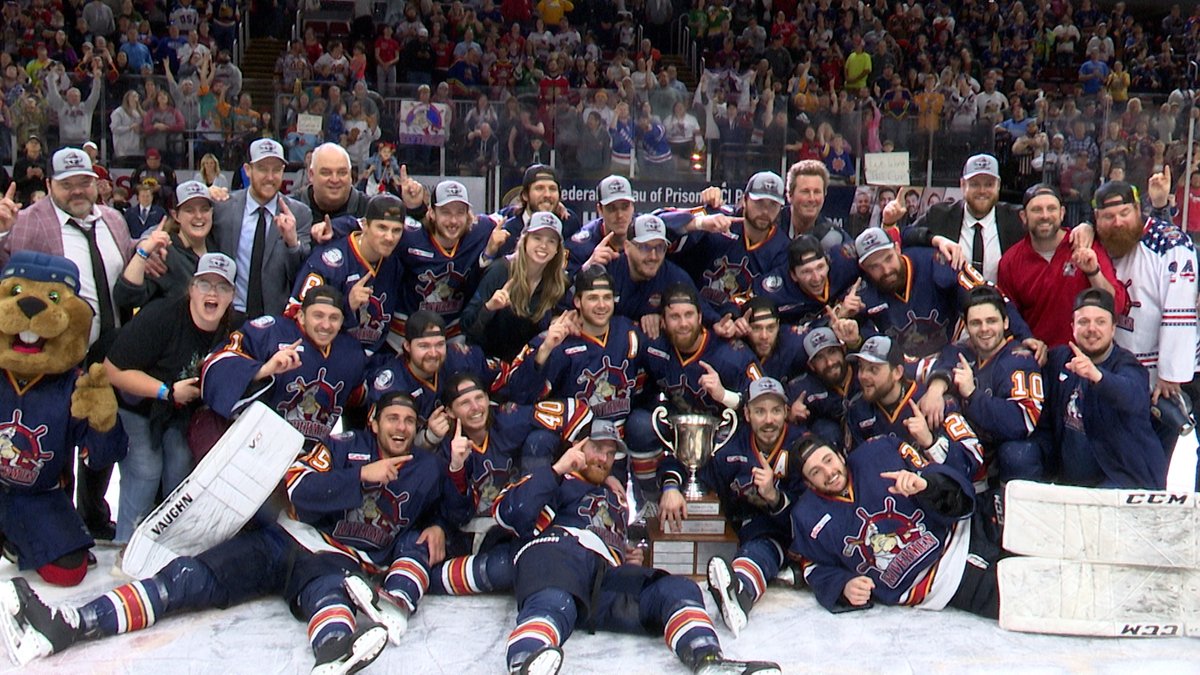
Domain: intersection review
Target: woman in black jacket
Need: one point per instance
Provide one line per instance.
(185, 238)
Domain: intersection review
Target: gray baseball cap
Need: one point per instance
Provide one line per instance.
(880, 349)
(766, 185)
(265, 148)
(981, 164)
(69, 162)
(872, 240)
(614, 189)
(544, 220)
(448, 192)
(819, 339)
(766, 386)
(606, 430)
(192, 189)
(219, 264)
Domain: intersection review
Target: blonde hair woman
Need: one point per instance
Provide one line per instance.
(517, 295)
(209, 172)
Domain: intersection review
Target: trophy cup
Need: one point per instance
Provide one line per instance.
(704, 532)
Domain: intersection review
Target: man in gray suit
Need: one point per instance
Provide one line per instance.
(265, 232)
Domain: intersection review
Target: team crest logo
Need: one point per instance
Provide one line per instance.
(772, 283)
(372, 320)
(21, 452)
(726, 280)
(602, 521)
(313, 405)
(332, 257)
(488, 480)
(606, 389)
(441, 293)
(890, 543)
(373, 525)
(920, 336)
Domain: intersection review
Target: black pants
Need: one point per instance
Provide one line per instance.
(978, 592)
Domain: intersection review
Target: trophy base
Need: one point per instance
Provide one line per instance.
(702, 535)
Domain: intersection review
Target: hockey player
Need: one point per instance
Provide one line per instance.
(885, 525)
(821, 396)
(340, 489)
(426, 360)
(778, 348)
(695, 370)
(1095, 430)
(724, 255)
(363, 268)
(998, 385)
(579, 569)
(587, 354)
(540, 191)
(812, 280)
(602, 240)
(500, 452)
(757, 483)
(642, 274)
(887, 407)
(306, 368)
(1156, 262)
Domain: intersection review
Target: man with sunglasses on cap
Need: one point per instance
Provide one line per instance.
(888, 407)
(757, 482)
(368, 503)
(425, 362)
(1156, 262)
(602, 240)
(813, 280)
(578, 568)
(497, 439)
(885, 525)
(914, 297)
(1043, 271)
(306, 368)
(1095, 429)
(997, 384)
(695, 370)
(642, 274)
(362, 266)
(821, 394)
(725, 252)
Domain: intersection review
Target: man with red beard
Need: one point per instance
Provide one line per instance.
(1156, 262)
(579, 568)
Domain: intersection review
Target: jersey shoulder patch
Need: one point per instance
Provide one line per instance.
(1162, 236)
(263, 322)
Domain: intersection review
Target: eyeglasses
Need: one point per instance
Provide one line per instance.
(221, 287)
(646, 248)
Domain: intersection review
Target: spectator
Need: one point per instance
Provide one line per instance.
(683, 134)
(144, 215)
(1093, 73)
(293, 66)
(382, 173)
(361, 132)
(839, 160)
(125, 123)
(482, 153)
(156, 169)
(100, 19)
(30, 170)
(210, 173)
(162, 126)
(30, 117)
(387, 55)
(595, 146)
(136, 51)
(74, 113)
(858, 66)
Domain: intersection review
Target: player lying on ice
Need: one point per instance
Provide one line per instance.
(369, 501)
(578, 568)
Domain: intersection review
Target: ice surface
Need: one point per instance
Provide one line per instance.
(464, 636)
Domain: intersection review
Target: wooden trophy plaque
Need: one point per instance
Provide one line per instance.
(704, 534)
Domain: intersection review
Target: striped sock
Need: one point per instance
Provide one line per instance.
(407, 580)
(687, 630)
(750, 576)
(127, 608)
(529, 636)
(330, 622)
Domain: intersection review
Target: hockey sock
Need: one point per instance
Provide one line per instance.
(546, 619)
(127, 608)
(690, 633)
(474, 574)
(751, 581)
(328, 623)
(407, 580)
(645, 468)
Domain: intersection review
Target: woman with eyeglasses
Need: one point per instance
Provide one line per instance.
(184, 237)
(154, 364)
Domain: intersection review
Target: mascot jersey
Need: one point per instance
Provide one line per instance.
(368, 521)
(311, 397)
(914, 555)
(38, 436)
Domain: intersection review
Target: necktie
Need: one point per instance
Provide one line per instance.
(254, 291)
(108, 321)
(977, 248)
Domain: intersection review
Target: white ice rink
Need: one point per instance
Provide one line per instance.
(462, 636)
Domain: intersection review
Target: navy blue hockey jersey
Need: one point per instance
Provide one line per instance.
(798, 306)
(678, 377)
(396, 375)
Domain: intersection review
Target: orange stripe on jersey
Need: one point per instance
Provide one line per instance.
(918, 593)
(131, 602)
(544, 520)
(908, 272)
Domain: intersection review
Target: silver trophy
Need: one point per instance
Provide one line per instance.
(694, 440)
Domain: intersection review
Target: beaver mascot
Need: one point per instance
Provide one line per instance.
(48, 407)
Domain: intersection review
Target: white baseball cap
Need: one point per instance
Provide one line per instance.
(614, 189)
(264, 148)
(69, 162)
(192, 189)
(766, 386)
(871, 240)
(544, 220)
(649, 227)
(448, 192)
(219, 264)
(981, 164)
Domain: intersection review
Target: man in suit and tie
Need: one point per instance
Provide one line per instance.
(267, 233)
(70, 222)
(980, 224)
(144, 215)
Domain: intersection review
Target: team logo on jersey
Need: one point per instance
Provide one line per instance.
(1073, 419)
(384, 380)
(606, 389)
(889, 542)
(581, 236)
(375, 524)
(21, 452)
(441, 293)
(599, 514)
(726, 279)
(683, 395)
(487, 480)
(332, 257)
(313, 408)
(920, 335)
(744, 489)
(372, 320)
(263, 322)
(772, 283)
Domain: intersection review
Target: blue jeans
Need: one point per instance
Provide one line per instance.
(147, 466)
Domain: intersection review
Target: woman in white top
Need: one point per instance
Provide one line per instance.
(209, 172)
(126, 125)
(361, 131)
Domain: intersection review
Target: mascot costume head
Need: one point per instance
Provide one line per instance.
(47, 408)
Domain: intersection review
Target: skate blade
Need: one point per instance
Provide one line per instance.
(546, 662)
(367, 647)
(720, 584)
(364, 597)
